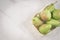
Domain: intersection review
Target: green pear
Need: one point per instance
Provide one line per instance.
(56, 14)
(45, 28)
(45, 15)
(50, 7)
(54, 22)
(37, 22)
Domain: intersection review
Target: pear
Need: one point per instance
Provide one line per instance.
(45, 28)
(37, 22)
(56, 14)
(54, 22)
(45, 15)
(50, 7)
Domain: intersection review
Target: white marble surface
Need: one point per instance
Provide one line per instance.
(15, 20)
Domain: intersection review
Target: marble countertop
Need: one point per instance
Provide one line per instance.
(15, 16)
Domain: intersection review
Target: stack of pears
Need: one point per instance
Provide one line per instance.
(47, 20)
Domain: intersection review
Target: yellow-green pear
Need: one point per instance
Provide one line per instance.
(50, 7)
(45, 15)
(56, 14)
(54, 22)
(37, 22)
(45, 28)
